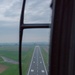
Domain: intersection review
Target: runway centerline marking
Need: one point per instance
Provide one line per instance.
(40, 62)
(33, 61)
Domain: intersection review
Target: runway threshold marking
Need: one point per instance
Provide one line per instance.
(32, 70)
(42, 71)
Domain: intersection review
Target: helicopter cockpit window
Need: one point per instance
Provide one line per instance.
(33, 43)
(34, 38)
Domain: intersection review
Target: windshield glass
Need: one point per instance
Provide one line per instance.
(37, 11)
(35, 44)
(9, 32)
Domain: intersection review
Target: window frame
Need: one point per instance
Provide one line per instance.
(26, 26)
(62, 52)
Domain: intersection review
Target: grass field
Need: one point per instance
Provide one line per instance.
(26, 59)
(11, 51)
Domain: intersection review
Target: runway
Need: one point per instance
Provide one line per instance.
(37, 65)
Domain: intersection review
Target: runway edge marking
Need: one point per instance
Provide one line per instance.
(31, 62)
(43, 61)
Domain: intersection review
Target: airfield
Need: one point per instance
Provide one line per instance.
(34, 60)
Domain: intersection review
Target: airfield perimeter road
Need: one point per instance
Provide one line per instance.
(37, 65)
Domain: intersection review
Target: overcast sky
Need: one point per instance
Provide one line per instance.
(37, 11)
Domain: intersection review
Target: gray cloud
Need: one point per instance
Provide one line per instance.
(36, 11)
(14, 11)
(9, 10)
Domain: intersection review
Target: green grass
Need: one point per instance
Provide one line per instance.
(11, 70)
(12, 53)
(45, 57)
(26, 61)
